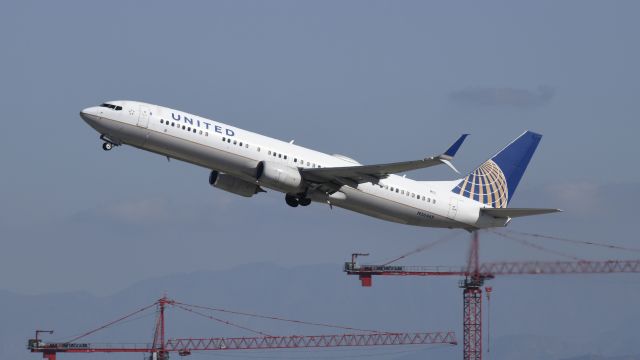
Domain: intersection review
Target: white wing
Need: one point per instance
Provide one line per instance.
(335, 177)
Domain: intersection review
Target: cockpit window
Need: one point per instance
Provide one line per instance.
(111, 106)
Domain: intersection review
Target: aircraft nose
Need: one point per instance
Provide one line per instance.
(90, 114)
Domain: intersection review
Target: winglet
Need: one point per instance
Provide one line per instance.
(451, 152)
(453, 149)
(449, 164)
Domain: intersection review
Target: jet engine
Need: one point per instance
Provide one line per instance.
(278, 176)
(233, 184)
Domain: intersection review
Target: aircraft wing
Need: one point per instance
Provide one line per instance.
(354, 175)
(516, 212)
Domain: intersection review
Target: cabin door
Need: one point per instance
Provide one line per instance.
(453, 208)
(143, 118)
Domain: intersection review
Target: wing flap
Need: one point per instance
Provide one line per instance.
(367, 173)
(516, 212)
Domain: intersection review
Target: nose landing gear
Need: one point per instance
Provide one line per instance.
(108, 143)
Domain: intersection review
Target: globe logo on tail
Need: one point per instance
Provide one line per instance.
(486, 184)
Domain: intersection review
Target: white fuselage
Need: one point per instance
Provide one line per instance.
(233, 151)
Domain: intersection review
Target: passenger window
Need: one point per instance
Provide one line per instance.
(258, 148)
(434, 201)
(200, 132)
(161, 121)
(402, 192)
(118, 107)
(229, 141)
(235, 142)
(295, 160)
(189, 128)
(183, 127)
(308, 163)
(413, 195)
(246, 145)
(269, 152)
(280, 156)
(206, 133)
(172, 124)
(285, 157)
(392, 188)
(194, 130)
(397, 190)
(240, 143)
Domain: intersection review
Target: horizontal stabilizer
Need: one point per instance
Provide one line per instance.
(516, 212)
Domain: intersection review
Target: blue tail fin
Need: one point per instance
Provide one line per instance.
(495, 181)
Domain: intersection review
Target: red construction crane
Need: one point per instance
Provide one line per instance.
(475, 275)
(160, 348)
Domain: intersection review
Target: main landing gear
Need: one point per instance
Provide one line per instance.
(295, 200)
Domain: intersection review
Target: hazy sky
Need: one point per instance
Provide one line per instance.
(376, 80)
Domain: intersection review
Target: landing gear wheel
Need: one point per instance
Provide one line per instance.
(107, 146)
(304, 201)
(291, 200)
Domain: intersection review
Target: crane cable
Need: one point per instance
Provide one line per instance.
(488, 291)
(220, 320)
(535, 246)
(582, 242)
(447, 237)
(111, 323)
(280, 319)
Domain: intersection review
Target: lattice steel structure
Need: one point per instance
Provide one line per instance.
(161, 348)
(475, 274)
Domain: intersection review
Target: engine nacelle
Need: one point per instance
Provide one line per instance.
(279, 177)
(233, 184)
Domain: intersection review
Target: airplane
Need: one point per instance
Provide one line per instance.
(244, 163)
